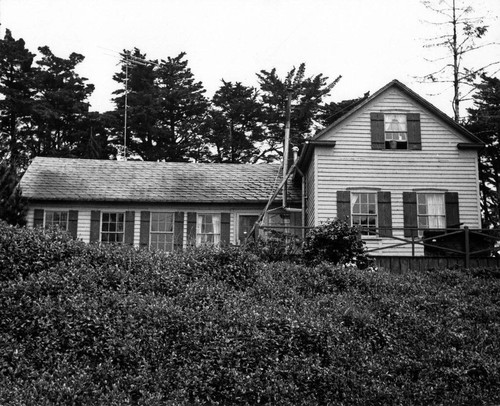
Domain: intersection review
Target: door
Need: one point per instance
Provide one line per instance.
(245, 225)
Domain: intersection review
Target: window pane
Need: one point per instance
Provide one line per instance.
(395, 122)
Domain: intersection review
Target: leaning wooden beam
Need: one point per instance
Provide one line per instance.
(271, 200)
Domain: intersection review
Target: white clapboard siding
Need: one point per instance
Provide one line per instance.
(353, 164)
(311, 194)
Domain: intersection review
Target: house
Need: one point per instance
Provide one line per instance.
(163, 205)
(394, 165)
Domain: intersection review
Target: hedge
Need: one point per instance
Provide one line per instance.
(87, 324)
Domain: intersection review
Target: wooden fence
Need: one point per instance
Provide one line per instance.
(443, 248)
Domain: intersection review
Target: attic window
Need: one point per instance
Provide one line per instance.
(395, 131)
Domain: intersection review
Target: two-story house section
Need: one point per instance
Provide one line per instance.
(394, 165)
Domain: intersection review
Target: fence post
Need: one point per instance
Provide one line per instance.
(467, 246)
(412, 245)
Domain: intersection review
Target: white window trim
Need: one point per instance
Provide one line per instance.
(101, 223)
(372, 191)
(53, 211)
(198, 227)
(162, 232)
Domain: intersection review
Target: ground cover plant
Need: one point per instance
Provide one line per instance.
(87, 325)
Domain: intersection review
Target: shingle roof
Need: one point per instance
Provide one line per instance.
(138, 181)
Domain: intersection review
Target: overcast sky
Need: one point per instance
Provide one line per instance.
(368, 42)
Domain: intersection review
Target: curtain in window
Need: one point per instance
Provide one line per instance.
(395, 122)
(208, 229)
(435, 210)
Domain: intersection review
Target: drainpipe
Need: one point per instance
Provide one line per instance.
(286, 143)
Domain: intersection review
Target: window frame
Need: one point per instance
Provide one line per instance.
(158, 233)
(427, 216)
(58, 223)
(216, 236)
(401, 144)
(370, 231)
(122, 232)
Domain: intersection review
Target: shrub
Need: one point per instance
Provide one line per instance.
(336, 242)
(114, 325)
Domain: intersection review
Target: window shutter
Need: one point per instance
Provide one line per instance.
(225, 228)
(414, 133)
(410, 214)
(73, 223)
(178, 231)
(144, 229)
(377, 130)
(38, 218)
(129, 227)
(344, 205)
(384, 214)
(452, 210)
(95, 225)
(191, 228)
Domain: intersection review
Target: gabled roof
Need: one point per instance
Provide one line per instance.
(316, 140)
(64, 179)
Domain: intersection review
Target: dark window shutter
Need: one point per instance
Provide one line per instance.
(95, 225)
(384, 214)
(178, 230)
(144, 230)
(73, 223)
(191, 228)
(452, 210)
(344, 205)
(410, 214)
(38, 218)
(225, 228)
(414, 132)
(377, 130)
(129, 227)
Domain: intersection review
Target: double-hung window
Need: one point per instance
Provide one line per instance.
(431, 211)
(396, 131)
(112, 227)
(56, 219)
(364, 212)
(208, 228)
(162, 231)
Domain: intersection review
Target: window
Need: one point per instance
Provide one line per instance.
(364, 212)
(395, 130)
(56, 219)
(430, 211)
(208, 229)
(162, 231)
(112, 227)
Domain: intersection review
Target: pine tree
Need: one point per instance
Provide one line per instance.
(12, 204)
(484, 122)
(234, 125)
(17, 76)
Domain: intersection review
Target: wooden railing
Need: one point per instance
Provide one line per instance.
(462, 243)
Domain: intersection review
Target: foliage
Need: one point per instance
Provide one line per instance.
(16, 91)
(234, 123)
(464, 35)
(334, 241)
(89, 324)
(484, 122)
(12, 204)
(276, 246)
(307, 97)
(43, 106)
(166, 106)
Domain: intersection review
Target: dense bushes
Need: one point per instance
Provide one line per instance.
(336, 242)
(110, 325)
